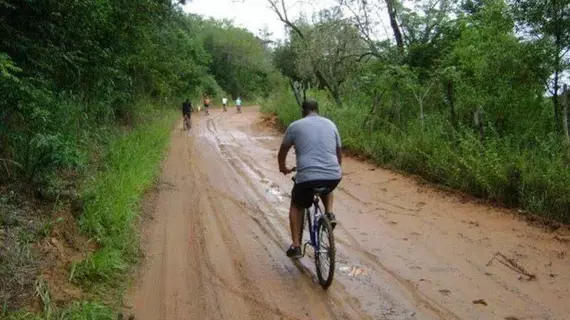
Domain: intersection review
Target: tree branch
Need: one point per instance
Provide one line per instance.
(283, 17)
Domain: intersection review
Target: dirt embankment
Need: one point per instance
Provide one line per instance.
(215, 244)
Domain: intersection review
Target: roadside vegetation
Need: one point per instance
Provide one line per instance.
(89, 93)
(468, 94)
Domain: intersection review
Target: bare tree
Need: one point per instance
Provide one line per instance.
(392, 12)
(330, 47)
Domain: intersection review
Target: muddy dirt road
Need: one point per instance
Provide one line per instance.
(215, 243)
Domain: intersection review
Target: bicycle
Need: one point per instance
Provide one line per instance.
(320, 233)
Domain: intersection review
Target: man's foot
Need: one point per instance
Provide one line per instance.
(294, 252)
(332, 219)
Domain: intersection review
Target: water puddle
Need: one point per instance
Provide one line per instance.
(353, 271)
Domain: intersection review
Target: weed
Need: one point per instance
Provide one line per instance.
(75, 311)
(112, 199)
(126, 166)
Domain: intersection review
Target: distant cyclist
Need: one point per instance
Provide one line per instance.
(207, 104)
(186, 113)
(238, 104)
(319, 157)
(225, 104)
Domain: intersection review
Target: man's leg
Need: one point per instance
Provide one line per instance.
(328, 203)
(295, 224)
(298, 195)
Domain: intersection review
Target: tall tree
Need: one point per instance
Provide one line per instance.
(328, 47)
(549, 21)
(393, 6)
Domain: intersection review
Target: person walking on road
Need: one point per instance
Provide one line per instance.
(225, 104)
(238, 105)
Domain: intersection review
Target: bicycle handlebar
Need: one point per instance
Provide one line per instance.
(294, 169)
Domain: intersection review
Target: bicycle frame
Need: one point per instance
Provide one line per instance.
(313, 224)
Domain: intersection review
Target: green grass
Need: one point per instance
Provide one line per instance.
(75, 311)
(505, 170)
(113, 199)
(112, 203)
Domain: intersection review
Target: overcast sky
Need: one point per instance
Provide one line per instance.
(253, 14)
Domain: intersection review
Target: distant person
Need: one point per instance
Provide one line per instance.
(319, 157)
(207, 104)
(225, 104)
(186, 114)
(238, 104)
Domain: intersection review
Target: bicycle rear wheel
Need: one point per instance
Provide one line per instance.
(325, 252)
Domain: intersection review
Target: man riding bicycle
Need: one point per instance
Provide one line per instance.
(206, 104)
(186, 110)
(318, 150)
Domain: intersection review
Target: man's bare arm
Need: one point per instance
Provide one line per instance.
(339, 155)
(282, 157)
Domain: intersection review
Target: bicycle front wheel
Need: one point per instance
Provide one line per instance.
(325, 253)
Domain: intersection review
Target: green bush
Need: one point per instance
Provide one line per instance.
(112, 198)
(517, 171)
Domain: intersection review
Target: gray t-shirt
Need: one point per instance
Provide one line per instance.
(315, 140)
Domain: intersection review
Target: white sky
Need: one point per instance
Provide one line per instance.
(254, 14)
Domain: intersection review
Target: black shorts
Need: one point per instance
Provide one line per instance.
(186, 113)
(302, 193)
(206, 106)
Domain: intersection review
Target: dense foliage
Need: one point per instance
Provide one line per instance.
(86, 88)
(467, 94)
(69, 70)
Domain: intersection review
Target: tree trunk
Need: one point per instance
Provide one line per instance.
(556, 103)
(558, 67)
(394, 24)
(564, 105)
(295, 92)
(451, 102)
(478, 119)
(336, 97)
(422, 116)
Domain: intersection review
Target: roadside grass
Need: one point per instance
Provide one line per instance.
(75, 311)
(113, 200)
(127, 162)
(500, 169)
